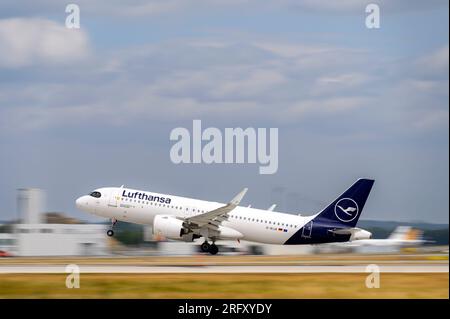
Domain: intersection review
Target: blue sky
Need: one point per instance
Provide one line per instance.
(86, 108)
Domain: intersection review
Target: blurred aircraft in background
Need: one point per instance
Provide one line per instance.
(401, 237)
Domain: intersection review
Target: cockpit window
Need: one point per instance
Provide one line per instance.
(95, 194)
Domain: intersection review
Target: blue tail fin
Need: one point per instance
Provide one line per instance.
(346, 209)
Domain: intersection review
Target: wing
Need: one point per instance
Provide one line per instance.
(218, 215)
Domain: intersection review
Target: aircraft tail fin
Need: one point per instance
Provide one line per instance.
(346, 209)
(414, 234)
(400, 233)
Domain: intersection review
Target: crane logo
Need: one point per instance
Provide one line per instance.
(346, 210)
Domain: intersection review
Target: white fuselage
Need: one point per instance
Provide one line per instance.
(254, 224)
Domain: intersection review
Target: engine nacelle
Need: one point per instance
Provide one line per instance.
(229, 233)
(169, 227)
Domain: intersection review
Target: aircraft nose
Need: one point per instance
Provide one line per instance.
(80, 202)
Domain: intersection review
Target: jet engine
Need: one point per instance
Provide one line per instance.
(169, 227)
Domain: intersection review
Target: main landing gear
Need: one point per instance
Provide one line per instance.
(209, 248)
(110, 232)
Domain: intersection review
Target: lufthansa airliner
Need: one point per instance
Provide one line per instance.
(187, 219)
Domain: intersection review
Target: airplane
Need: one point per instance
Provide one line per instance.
(188, 219)
(401, 237)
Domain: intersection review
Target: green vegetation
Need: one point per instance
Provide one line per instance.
(439, 236)
(6, 228)
(418, 285)
(129, 234)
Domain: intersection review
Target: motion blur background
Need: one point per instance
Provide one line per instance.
(92, 107)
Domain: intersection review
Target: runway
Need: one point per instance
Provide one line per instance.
(237, 269)
(288, 276)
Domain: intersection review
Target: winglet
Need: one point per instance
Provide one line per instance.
(237, 199)
(271, 208)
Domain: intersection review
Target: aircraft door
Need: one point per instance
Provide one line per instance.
(307, 230)
(114, 197)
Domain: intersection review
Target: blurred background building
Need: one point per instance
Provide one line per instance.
(30, 205)
(37, 233)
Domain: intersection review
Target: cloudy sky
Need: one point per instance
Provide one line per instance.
(91, 107)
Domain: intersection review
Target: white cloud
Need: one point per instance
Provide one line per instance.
(252, 84)
(358, 6)
(436, 62)
(432, 119)
(335, 83)
(328, 106)
(220, 83)
(25, 42)
(293, 50)
(270, 81)
(150, 8)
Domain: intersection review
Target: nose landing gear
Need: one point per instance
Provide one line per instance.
(110, 232)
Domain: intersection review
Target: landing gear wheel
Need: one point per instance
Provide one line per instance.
(213, 249)
(110, 232)
(205, 247)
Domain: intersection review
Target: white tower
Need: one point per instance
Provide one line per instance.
(30, 205)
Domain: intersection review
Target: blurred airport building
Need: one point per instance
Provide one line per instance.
(50, 234)
(30, 205)
(60, 240)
